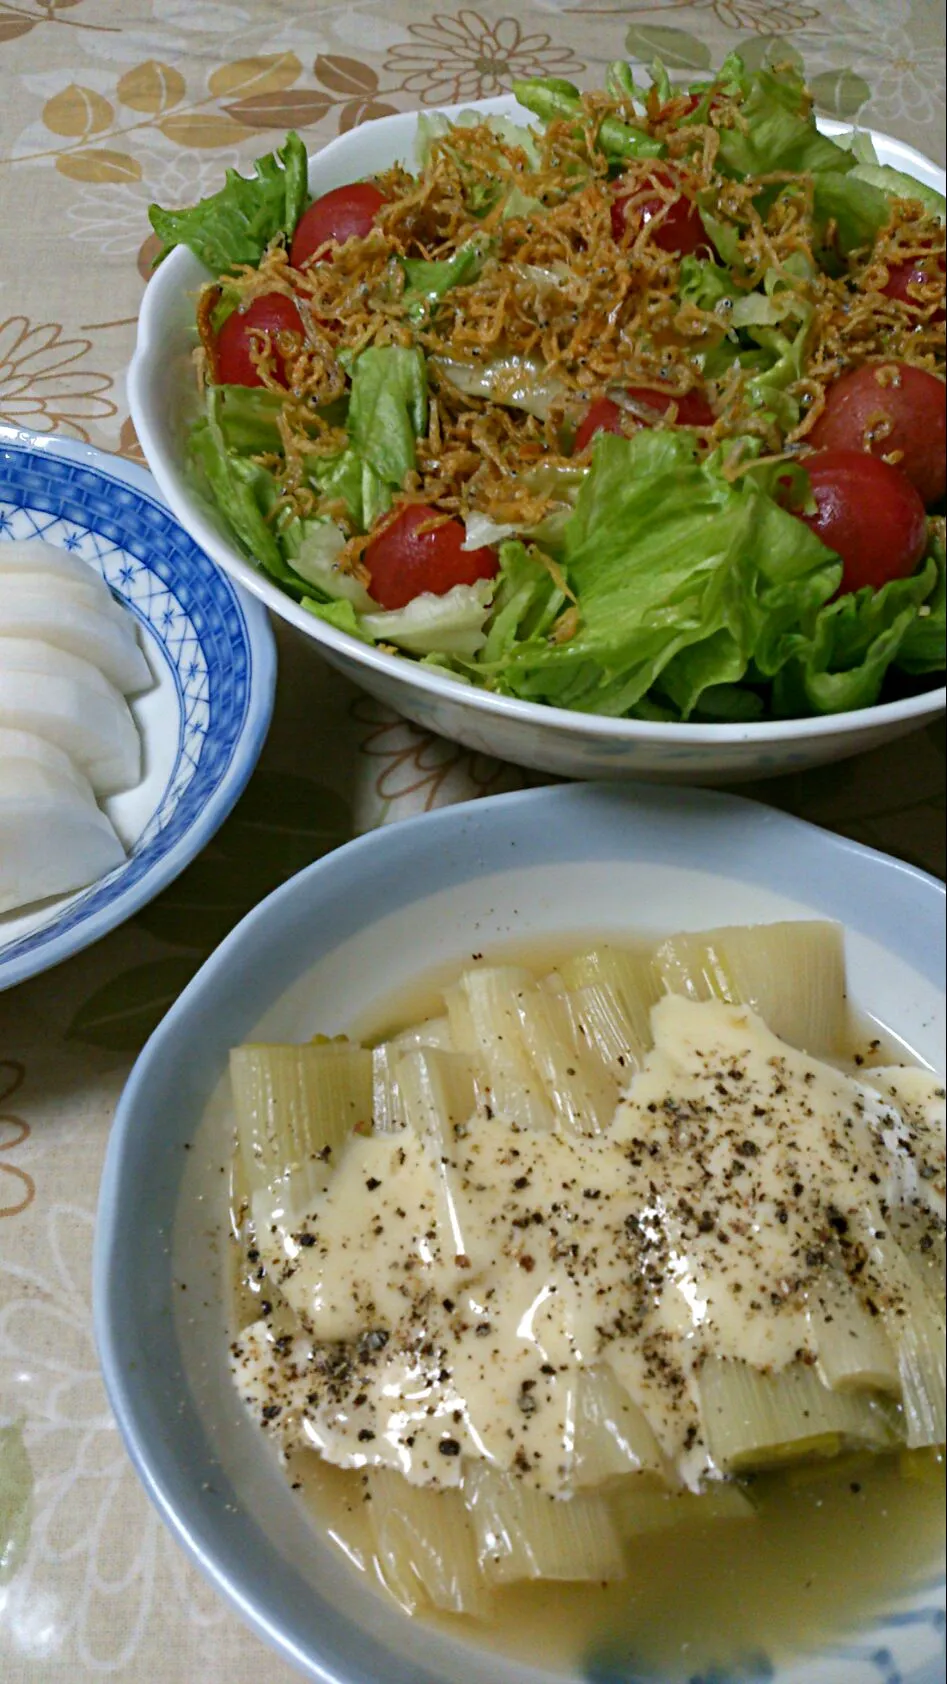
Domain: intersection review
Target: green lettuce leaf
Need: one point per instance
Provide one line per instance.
(526, 601)
(236, 225)
(451, 624)
(388, 409)
(348, 477)
(857, 210)
(245, 494)
(924, 644)
(665, 556)
(854, 641)
(425, 282)
(777, 132)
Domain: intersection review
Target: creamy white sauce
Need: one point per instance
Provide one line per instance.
(451, 1293)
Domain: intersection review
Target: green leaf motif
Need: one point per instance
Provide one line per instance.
(840, 93)
(16, 1500)
(676, 48)
(283, 822)
(121, 1015)
(758, 52)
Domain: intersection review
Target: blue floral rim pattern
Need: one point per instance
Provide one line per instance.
(216, 641)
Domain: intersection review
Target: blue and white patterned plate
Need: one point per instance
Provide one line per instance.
(210, 649)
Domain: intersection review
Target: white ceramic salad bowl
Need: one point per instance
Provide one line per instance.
(346, 934)
(163, 402)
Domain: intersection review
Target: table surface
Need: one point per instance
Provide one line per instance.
(108, 105)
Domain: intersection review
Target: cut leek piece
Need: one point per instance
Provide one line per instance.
(792, 974)
(852, 1346)
(424, 1545)
(513, 1089)
(581, 1089)
(459, 1021)
(295, 1106)
(613, 991)
(524, 1534)
(757, 1420)
(438, 1093)
(387, 1107)
(612, 1436)
(637, 1511)
(433, 1032)
(915, 1324)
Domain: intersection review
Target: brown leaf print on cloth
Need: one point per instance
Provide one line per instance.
(414, 762)
(16, 21)
(762, 17)
(17, 1189)
(466, 57)
(41, 385)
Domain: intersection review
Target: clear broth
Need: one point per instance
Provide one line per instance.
(831, 1547)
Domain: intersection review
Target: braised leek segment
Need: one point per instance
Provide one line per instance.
(439, 1094)
(581, 1090)
(515, 1090)
(387, 1107)
(757, 1420)
(424, 1545)
(636, 1511)
(854, 1351)
(295, 1107)
(915, 1323)
(612, 1435)
(792, 974)
(611, 993)
(526, 1534)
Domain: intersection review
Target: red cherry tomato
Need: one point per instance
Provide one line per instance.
(693, 410)
(271, 314)
(602, 416)
(680, 230)
(868, 513)
(605, 416)
(404, 562)
(338, 216)
(883, 407)
(904, 276)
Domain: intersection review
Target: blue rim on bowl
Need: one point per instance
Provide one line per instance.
(214, 645)
(455, 859)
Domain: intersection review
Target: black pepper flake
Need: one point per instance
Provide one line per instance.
(372, 1183)
(271, 1410)
(365, 1435)
(448, 1447)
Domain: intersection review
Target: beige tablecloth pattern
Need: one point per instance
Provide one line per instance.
(106, 105)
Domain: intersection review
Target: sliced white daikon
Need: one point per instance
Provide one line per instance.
(92, 725)
(17, 746)
(56, 569)
(50, 844)
(79, 627)
(32, 654)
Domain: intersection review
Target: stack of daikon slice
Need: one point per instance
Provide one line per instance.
(69, 656)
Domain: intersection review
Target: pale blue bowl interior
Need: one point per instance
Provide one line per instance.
(171, 1412)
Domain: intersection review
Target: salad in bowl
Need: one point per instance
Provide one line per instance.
(635, 409)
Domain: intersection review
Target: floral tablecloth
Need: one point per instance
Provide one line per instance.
(106, 105)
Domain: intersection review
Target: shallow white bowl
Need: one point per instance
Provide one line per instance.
(162, 395)
(346, 934)
(213, 663)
